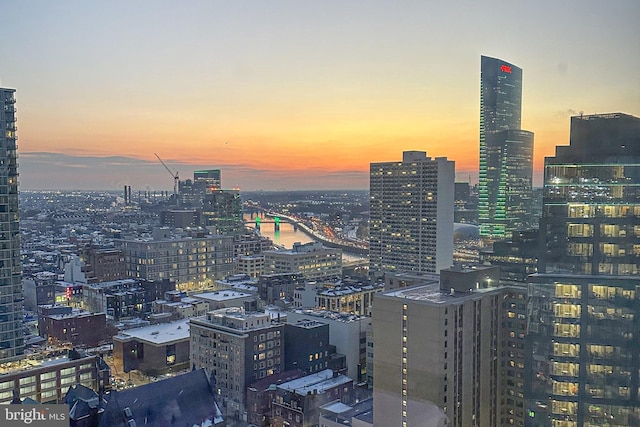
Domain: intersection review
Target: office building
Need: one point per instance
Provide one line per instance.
(238, 348)
(192, 192)
(506, 152)
(209, 177)
(181, 218)
(103, 264)
(222, 212)
(310, 260)
(411, 222)
(251, 265)
(123, 298)
(11, 334)
(437, 349)
(591, 208)
(517, 257)
(582, 336)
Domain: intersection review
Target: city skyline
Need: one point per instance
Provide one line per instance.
(294, 96)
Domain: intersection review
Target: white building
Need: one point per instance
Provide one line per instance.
(411, 226)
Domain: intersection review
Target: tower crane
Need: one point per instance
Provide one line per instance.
(173, 175)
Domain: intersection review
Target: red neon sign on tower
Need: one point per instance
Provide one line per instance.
(505, 68)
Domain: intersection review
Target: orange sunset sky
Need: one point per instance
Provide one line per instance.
(295, 94)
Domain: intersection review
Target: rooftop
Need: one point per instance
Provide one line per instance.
(163, 333)
(221, 295)
(315, 383)
(431, 293)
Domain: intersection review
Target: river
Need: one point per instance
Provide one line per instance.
(288, 235)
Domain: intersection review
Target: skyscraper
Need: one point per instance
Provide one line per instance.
(411, 214)
(506, 152)
(583, 334)
(436, 358)
(11, 334)
(591, 208)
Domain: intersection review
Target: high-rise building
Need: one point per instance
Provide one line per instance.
(411, 219)
(204, 182)
(11, 333)
(506, 152)
(436, 354)
(209, 177)
(582, 336)
(591, 208)
(222, 212)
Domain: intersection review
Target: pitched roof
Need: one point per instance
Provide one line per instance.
(185, 399)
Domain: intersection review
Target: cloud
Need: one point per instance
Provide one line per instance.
(57, 171)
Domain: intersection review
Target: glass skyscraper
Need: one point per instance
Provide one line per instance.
(11, 334)
(583, 365)
(506, 152)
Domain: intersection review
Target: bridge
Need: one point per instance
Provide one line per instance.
(277, 218)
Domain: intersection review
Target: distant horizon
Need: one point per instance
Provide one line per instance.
(295, 94)
(36, 169)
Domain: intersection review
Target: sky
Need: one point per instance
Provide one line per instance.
(295, 94)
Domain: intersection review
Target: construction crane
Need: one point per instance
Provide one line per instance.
(173, 175)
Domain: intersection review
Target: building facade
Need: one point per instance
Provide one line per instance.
(347, 332)
(191, 262)
(297, 402)
(222, 212)
(308, 348)
(437, 348)
(517, 257)
(11, 335)
(238, 348)
(591, 207)
(506, 151)
(411, 219)
(582, 336)
(74, 326)
(310, 260)
(153, 350)
(251, 265)
(47, 377)
(341, 296)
